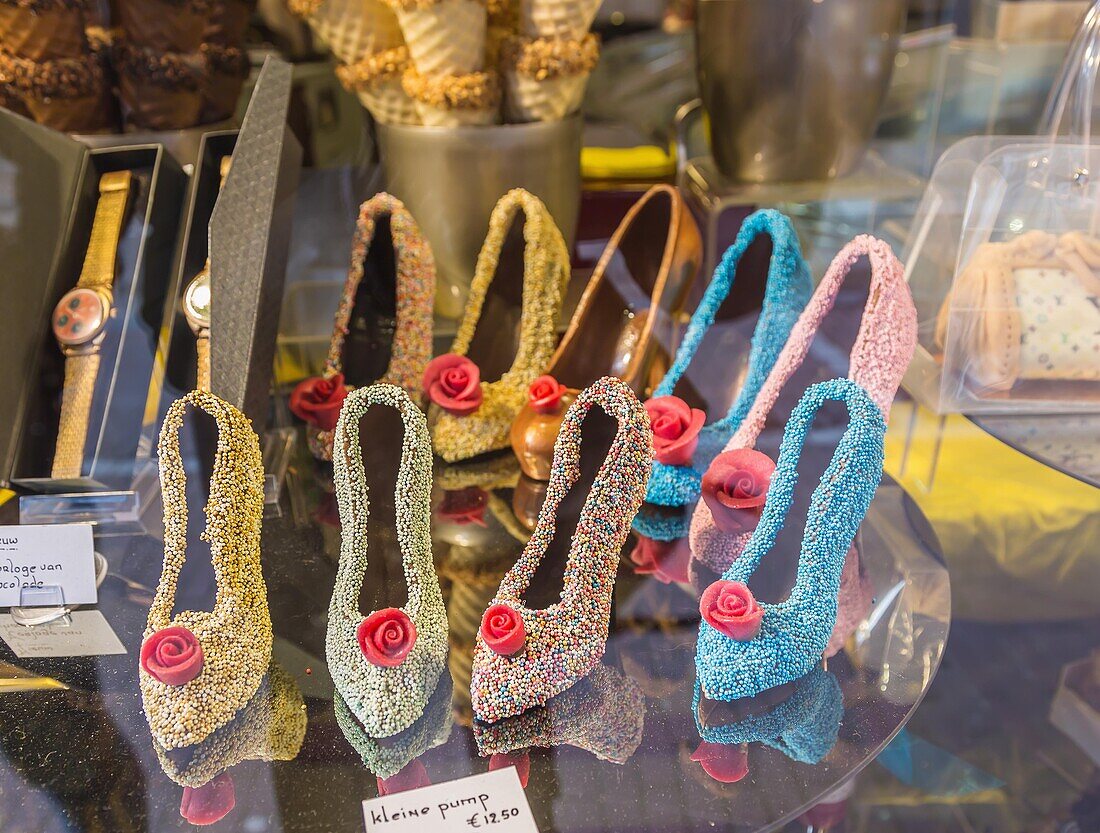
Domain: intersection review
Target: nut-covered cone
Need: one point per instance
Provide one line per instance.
(226, 70)
(42, 34)
(163, 25)
(433, 116)
(568, 19)
(551, 99)
(72, 95)
(354, 28)
(445, 37)
(159, 90)
(388, 103)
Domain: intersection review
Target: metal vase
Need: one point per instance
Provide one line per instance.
(792, 88)
(451, 177)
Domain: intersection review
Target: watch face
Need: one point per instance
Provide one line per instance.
(79, 317)
(196, 300)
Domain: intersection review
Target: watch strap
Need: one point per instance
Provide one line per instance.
(76, 404)
(98, 271)
(202, 347)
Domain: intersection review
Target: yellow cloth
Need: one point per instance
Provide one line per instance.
(1020, 538)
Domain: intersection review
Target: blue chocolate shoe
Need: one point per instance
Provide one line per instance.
(746, 646)
(675, 481)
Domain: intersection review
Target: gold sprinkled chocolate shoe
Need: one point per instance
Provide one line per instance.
(207, 641)
(507, 334)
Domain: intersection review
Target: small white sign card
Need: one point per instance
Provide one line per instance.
(45, 556)
(492, 801)
(85, 633)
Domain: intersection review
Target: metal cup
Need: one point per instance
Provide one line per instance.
(792, 88)
(451, 177)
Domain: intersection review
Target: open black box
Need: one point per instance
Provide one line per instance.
(48, 204)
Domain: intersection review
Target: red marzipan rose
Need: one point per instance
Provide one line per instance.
(209, 803)
(520, 760)
(735, 488)
(730, 607)
(545, 394)
(318, 400)
(666, 561)
(676, 428)
(464, 506)
(453, 382)
(502, 630)
(412, 777)
(724, 762)
(172, 655)
(386, 637)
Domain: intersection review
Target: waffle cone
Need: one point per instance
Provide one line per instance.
(43, 35)
(354, 28)
(389, 103)
(569, 19)
(551, 99)
(432, 116)
(445, 38)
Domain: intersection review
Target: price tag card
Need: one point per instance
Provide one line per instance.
(50, 555)
(492, 801)
(86, 634)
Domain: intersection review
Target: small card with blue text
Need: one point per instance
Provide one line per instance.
(47, 556)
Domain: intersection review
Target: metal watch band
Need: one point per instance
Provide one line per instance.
(76, 404)
(82, 366)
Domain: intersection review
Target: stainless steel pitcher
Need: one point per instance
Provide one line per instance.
(792, 88)
(451, 177)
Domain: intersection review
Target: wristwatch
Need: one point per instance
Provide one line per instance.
(196, 305)
(80, 322)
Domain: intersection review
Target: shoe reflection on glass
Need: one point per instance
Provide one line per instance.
(394, 760)
(527, 500)
(549, 621)
(383, 325)
(666, 561)
(624, 324)
(507, 332)
(270, 727)
(800, 719)
(471, 503)
(603, 713)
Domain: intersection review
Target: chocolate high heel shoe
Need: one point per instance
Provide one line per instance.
(506, 335)
(200, 666)
(534, 643)
(383, 327)
(385, 659)
(746, 646)
(623, 325)
(735, 485)
(689, 429)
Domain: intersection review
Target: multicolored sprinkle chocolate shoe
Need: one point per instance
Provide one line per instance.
(383, 327)
(746, 646)
(507, 333)
(736, 483)
(687, 434)
(539, 637)
(200, 666)
(385, 658)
